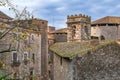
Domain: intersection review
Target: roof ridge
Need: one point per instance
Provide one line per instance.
(108, 20)
(4, 16)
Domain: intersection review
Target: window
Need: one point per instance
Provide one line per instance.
(61, 61)
(101, 24)
(112, 24)
(33, 57)
(86, 30)
(15, 58)
(25, 56)
(42, 22)
(73, 31)
(102, 37)
(93, 25)
(32, 36)
(31, 74)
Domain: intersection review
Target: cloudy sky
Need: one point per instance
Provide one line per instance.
(56, 11)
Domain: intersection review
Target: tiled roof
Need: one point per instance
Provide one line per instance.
(107, 20)
(72, 49)
(63, 30)
(4, 16)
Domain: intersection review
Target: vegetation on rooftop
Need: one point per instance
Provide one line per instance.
(72, 49)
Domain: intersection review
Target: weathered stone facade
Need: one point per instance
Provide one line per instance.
(100, 64)
(108, 32)
(59, 35)
(106, 28)
(79, 27)
(28, 58)
(103, 64)
(60, 68)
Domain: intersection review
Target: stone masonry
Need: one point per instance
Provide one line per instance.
(79, 27)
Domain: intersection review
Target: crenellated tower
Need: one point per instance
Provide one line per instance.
(79, 27)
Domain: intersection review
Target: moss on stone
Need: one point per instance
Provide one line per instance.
(72, 49)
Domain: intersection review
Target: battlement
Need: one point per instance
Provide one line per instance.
(78, 15)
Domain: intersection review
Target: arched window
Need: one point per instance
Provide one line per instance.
(73, 31)
(86, 30)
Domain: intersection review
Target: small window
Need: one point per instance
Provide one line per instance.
(61, 61)
(73, 31)
(93, 25)
(31, 74)
(112, 25)
(25, 56)
(33, 57)
(15, 57)
(102, 37)
(101, 24)
(42, 22)
(32, 36)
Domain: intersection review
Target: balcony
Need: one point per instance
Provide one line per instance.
(15, 64)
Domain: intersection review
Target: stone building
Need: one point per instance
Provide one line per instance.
(79, 27)
(106, 28)
(4, 17)
(80, 58)
(27, 58)
(54, 36)
(51, 37)
(86, 61)
(60, 35)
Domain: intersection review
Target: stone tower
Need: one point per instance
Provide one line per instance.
(79, 27)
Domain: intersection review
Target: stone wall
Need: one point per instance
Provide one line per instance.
(100, 64)
(103, 64)
(109, 32)
(36, 43)
(61, 37)
(78, 27)
(60, 69)
(28, 46)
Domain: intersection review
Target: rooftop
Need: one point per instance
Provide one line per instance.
(72, 49)
(107, 20)
(63, 30)
(4, 16)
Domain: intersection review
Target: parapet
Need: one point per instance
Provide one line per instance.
(78, 15)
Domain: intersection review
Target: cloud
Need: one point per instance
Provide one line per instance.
(95, 8)
(59, 9)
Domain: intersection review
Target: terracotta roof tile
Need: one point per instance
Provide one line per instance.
(108, 20)
(63, 30)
